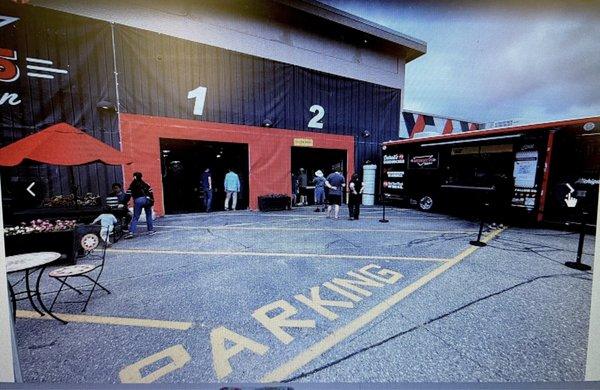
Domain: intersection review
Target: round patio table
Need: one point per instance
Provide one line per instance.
(30, 263)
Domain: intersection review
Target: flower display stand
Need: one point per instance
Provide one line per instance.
(274, 202)
(63, 242)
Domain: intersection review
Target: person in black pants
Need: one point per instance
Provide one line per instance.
(355, 189)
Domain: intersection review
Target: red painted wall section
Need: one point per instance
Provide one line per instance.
(269, 150)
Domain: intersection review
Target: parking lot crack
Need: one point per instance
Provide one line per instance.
(342, 240)
(423, 325)
(227, 239)
(40, 346)
(464, 356)
(445, 237)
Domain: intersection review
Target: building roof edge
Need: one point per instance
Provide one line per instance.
(413, 47)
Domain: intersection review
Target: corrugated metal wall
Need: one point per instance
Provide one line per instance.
(82, 47)
(156, 72)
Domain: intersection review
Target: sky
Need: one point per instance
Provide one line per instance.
(519, 60)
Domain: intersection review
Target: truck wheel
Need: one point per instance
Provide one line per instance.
(425, 203)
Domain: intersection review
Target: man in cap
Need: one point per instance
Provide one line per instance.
(319, 182)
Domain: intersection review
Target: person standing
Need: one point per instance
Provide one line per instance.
(335, 182)
(232, 187)
(319, 182)
(303, 182)
(208, 190)
(295, 189)
(355, 189)
(143, 198)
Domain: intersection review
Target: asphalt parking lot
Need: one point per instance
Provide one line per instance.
(292, 296)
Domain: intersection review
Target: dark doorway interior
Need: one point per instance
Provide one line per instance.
(313, 159)
(182, 163)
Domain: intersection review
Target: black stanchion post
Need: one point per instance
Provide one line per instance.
(478, 242)
(578, 264)
(382, 220)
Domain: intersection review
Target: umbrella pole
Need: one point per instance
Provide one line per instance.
(72, 184)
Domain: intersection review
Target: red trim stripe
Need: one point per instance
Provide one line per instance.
(544, 186)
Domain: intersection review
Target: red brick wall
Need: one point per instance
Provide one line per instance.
(269, 150)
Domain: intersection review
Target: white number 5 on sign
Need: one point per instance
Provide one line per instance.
(320, 113)
(200, 95)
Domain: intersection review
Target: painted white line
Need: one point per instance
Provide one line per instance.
(275, 254)
(259, 222)
(298, 229)
(285, 370)
(39, 61)
(42, 76)
(291, 214)
(43, 68)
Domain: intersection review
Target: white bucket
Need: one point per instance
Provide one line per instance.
(369, 180)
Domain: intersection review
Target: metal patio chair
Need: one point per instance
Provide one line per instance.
(86, 270)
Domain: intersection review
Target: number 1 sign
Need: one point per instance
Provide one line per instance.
(199, 94)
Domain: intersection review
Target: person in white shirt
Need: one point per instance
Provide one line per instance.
(107, 223)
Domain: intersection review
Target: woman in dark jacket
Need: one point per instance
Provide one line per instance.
(355, 190)
(143, 198)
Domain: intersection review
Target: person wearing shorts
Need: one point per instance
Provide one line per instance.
(335, 182)
(319, 183)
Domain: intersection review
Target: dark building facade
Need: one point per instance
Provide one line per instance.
(102, 77)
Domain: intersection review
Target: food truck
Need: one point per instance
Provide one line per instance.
(530, 172)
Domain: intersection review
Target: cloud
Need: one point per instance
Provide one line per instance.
(497, 62)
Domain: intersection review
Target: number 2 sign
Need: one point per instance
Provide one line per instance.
(319, 112)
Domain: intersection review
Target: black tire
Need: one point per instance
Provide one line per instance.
(426, 202)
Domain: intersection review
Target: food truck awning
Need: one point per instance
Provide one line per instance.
(498, 133)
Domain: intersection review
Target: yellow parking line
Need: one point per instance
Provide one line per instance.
(88, 319)
(275, 254)
(296, 229)
(285, 370)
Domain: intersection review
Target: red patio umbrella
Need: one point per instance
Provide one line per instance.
(61, 144)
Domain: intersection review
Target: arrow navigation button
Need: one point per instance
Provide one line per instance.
(29, 189)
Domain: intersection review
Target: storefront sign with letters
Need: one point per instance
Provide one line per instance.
(303, 142)
(425, 161)
(395, 174)
(393, 185)
(397, 158)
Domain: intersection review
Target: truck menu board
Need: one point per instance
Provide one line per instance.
(394, 169)
(524, 173)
